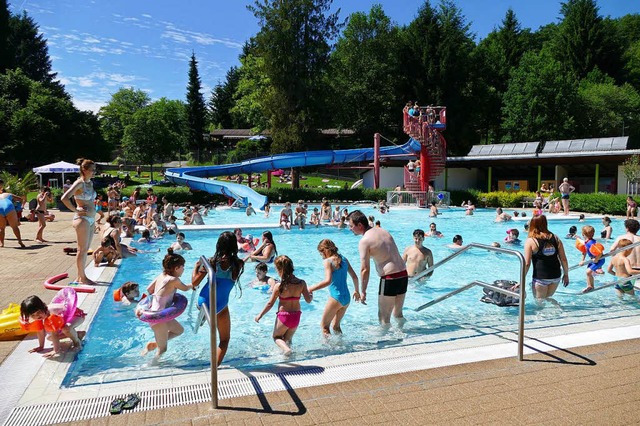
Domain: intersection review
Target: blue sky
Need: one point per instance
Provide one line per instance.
(97, 47)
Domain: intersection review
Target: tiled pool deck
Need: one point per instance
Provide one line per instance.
(595, 384)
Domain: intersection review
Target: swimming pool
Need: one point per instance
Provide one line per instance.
(115, 338)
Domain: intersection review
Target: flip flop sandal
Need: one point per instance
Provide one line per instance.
(116, 406)
(70, 250)
(131, 402)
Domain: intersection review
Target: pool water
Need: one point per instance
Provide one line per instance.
(116, 337)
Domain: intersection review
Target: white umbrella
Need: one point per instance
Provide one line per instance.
(59, 167)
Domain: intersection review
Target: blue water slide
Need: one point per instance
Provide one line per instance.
(197, 177)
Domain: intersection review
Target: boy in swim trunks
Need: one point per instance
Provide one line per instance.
(595, 261)
(620, 262)
(417, 257)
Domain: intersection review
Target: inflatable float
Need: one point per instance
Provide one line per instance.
(51, 284)
(177, 307)
(10, 323)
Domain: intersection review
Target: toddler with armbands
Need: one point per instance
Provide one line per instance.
(594, 250)
(58, 318)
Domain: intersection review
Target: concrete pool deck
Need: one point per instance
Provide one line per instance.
(594, 384)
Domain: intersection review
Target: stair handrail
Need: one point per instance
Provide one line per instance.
(466, 248)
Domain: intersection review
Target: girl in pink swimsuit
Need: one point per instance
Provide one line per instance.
(288, 291)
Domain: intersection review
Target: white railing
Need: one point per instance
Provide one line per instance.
(418, 198)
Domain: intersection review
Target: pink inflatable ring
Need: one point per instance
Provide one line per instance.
(177, 307)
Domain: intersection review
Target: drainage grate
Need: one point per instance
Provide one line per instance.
(67, 411)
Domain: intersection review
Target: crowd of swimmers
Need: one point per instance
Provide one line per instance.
(543, 251)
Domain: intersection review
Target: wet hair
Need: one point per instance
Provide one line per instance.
(588, 231)
(495, 244)
(227, 245)
(581, 216)
(632, 226)
(573, 229)
(524, 214)
(329, 248)
(284, 266)
(262, 267)
(181, 234)
(128, 287)
(624, 242)
(30, 306)
(418, 233)
(607, 219)
(171, 261)
(113, 220)
(84, 164)
(526, 225)
(269, 236)
(457, 238)
(146, 234)
(377, 223)
(108, 241)
(515, 232)
(539, 227)
(357, 217)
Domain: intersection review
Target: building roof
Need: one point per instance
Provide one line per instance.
(546, 151)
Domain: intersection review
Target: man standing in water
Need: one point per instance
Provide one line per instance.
(378, 244)
(565, 189)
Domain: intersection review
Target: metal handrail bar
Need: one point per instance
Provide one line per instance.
(611, 253)
(213, 329)
(467, 287)
(483, 284)
(614, 282)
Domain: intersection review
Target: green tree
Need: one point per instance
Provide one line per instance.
(28, 51)
(38, 125)
(540, 101)
(156, 132)
(119, 111)
(196, 109)
(253, 88)
(607, 108)
(222, 103)
(364, 75)
(5, 57)
(585, 41)
(293, 42)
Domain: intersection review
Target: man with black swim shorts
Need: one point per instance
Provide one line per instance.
(378, 244)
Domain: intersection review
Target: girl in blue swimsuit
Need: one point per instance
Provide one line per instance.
(85, 213)
(228, 267)
(336, 268)
(8, 215)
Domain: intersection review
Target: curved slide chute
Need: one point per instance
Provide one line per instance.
(197, 177)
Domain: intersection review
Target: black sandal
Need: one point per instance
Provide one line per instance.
(117, 405)
(132, 401)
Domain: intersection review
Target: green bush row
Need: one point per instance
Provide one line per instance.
(599, 203)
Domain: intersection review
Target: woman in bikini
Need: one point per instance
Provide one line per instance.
(288, 292)
(8, 215)
(85, 214)
(266, 251)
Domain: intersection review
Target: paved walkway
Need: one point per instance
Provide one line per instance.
(587, 385)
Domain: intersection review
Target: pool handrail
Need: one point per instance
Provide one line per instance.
(213, 329)
(486, 285)
(611, 253)
(614, 282)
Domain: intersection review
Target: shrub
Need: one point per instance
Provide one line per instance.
(599, 203)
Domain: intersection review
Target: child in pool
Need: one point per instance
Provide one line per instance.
(288, 292)
(572, 232)
(146, 237)
(106, 252)
(180, 243)
(336, 268)
(228, 267)
(127, 294)
(623, 269)
(36, 315)
(161, 291)
(262, 279)
(595, 260)
(512, 236)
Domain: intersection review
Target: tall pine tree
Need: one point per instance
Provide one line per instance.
(196, 109)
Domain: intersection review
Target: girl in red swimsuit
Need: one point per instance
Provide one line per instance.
(288, 290)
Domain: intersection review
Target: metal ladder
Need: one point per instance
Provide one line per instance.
(484, 284)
